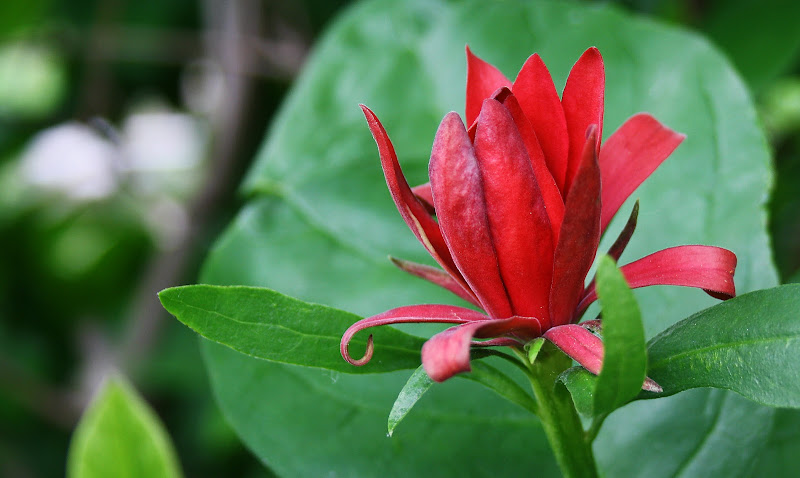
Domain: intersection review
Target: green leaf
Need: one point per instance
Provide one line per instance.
(533, 347)
(120, 436)
(581, 384)
(269, 325)
(418, 383)
(625, 351)
(494, 379)
(749, 344)
(319, 224)
(273, 406)
(783, 448)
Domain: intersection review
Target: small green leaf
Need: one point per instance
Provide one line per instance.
(417, 385)
(581, 384)
(625, 356)
(271, 326)
(749, 344)
(120, 436)
(533, 347)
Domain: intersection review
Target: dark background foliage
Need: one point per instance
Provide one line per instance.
(79, 271)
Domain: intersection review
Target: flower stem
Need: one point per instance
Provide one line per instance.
(562, 425)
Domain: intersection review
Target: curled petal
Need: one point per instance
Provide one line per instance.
(458, 195)
(447, 353)
(539, 100)
(580, 235)
(629, 156)
(583, 106)
(705, 267)
(586, 348)
(444, 314)
(413, 212)
(483, 79)
(624, 237)
(438, 277)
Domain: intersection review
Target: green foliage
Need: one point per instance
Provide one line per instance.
(319, 224)
(120, 436)
(749, 344)
(625, 355)
(265, 324)
(418, 383)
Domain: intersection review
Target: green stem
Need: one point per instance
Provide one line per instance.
(562, 425)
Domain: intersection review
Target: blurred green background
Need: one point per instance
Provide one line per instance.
(125, 128)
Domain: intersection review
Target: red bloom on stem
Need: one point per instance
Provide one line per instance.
(521, 210)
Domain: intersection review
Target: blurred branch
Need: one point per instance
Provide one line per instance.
(234, 20)
(281, 56)
(53, 405)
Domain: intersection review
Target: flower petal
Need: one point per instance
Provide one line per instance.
(438, 277)
(553, 202)
(583, 346)
(539, 100)
(625, 235)
(587, 349)
(583, 106)
(706, 267)
(447, 353)
(483, 79)
(629, 156)
(579, 238)
(445, 314)
(519, 226)
(413, 212)
(461, 209)
(424, 195)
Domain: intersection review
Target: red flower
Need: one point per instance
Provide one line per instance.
(520, 213)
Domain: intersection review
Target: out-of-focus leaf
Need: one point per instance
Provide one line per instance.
(761, 38)
(120, 436)
(269, 325)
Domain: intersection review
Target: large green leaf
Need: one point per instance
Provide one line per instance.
(120, 436)
(271, 326)
(749, 344)
(320, 223)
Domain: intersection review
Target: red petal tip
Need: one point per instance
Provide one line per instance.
(345, 349)
(651, 386)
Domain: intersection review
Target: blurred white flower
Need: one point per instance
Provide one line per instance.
(71, 159)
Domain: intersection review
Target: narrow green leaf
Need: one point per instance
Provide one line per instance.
(494, 379)
(749, 344)
(271, 326)
(417, 385)
(581, 384)
(120, 436)
(625, 356)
